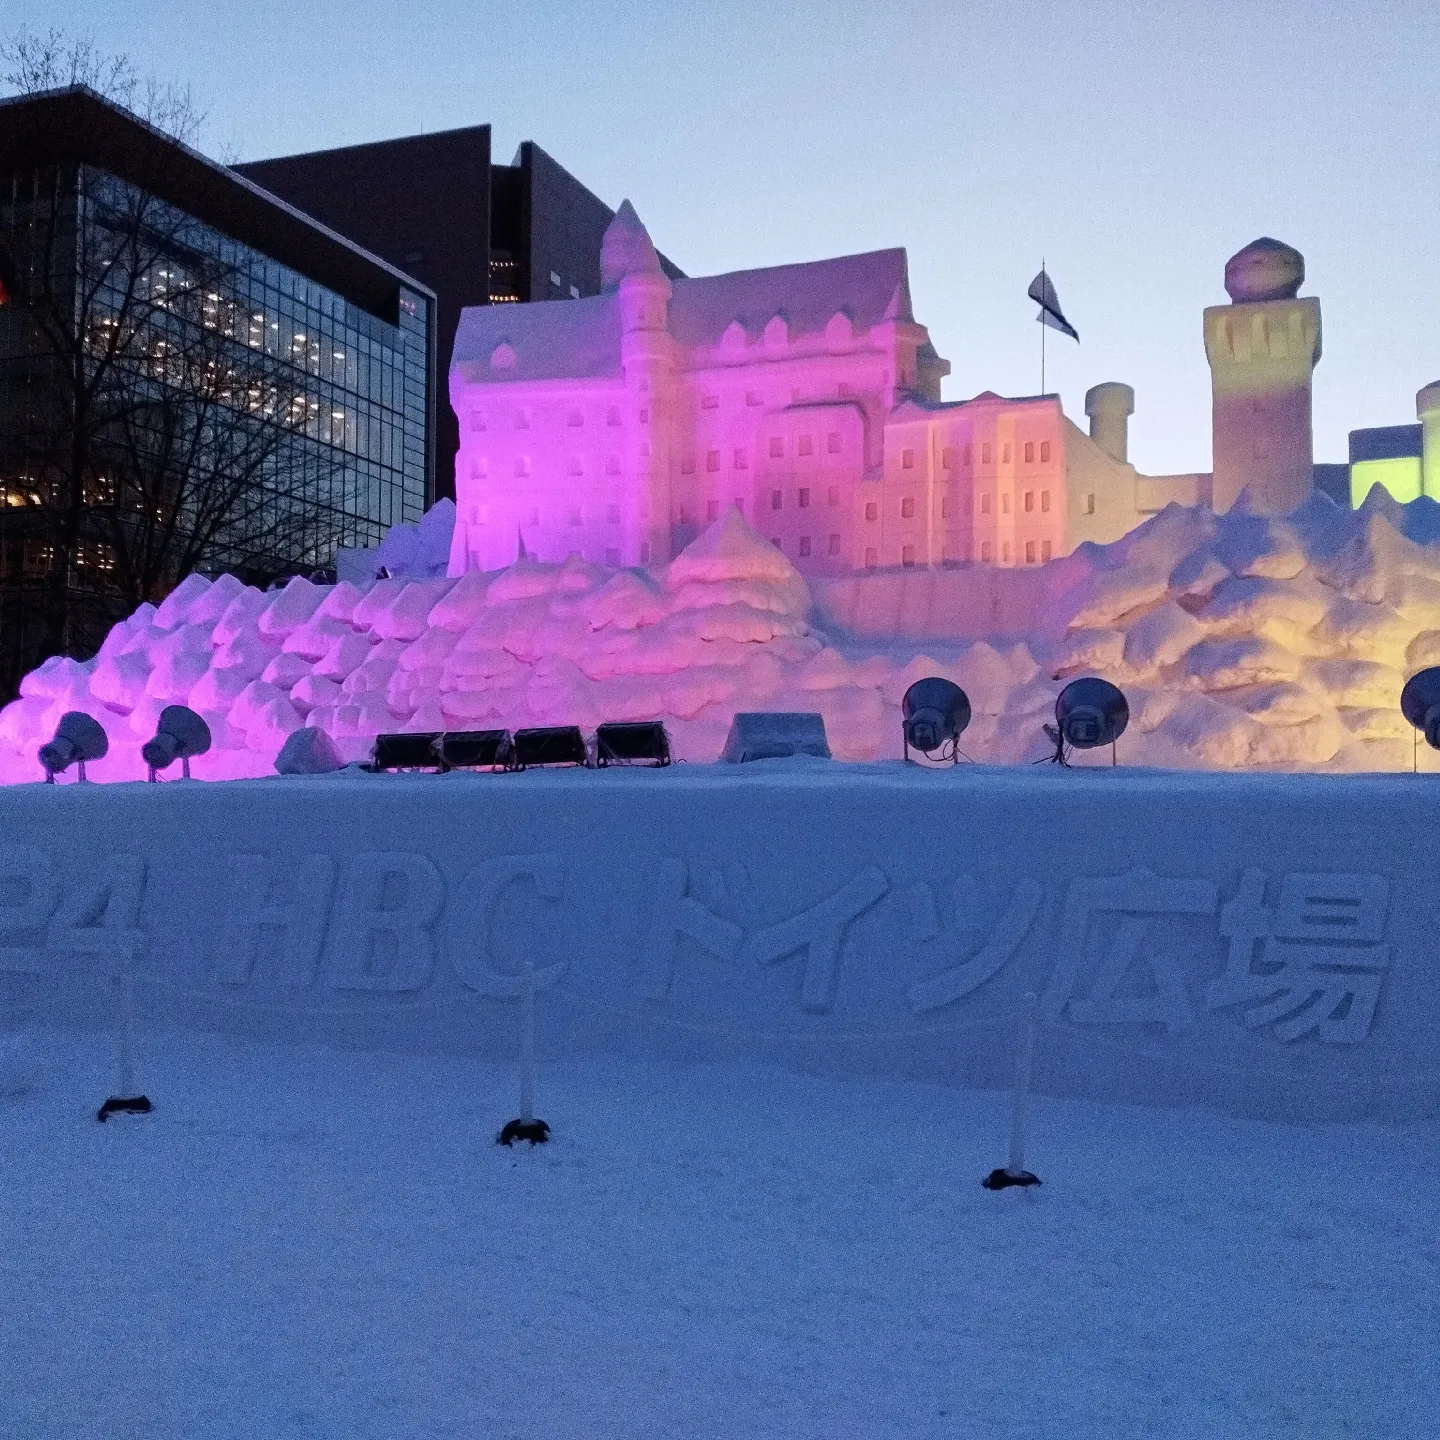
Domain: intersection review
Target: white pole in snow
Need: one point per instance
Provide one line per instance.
(125, 1080)
(1024, 1059)
(527, 1042)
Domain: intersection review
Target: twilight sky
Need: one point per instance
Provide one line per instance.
(1133, 145)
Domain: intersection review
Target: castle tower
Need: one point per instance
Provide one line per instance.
(1263, 348)
(1427, 412)
(1110, 406)
(630, 268)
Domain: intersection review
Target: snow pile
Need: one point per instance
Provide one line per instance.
(1239, 640)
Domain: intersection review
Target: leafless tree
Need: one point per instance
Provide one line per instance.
(150, 433)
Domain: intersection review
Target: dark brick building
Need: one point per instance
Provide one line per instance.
(475, 232)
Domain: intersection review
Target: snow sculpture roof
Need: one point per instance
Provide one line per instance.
(626, 249)
(579, 339)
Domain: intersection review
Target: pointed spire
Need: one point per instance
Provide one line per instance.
(626, 249)
(521, 553)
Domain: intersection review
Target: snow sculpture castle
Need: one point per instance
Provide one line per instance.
(807, 396)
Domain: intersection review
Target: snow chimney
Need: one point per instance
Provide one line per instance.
(1109, 407)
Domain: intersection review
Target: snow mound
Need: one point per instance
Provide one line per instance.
(1240, 640)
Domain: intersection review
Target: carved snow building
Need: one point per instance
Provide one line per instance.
(619, 426)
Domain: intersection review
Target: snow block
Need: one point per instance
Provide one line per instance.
(772, 735)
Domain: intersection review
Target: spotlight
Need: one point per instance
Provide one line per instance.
(1089, 712)
(631, 742)
(407, 751)
(181, 735)
(549, 745)
(934, 711)
(774, 734)
(476, 750)
(78, 737)
(1420, 704)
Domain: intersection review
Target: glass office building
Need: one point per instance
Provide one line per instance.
(246, 390)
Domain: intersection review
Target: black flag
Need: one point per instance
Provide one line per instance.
(1042, 292)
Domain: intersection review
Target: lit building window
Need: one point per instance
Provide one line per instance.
(947, 458)
(522, 466)
(804, 498)
(712, 510)
(907, 508)
(1044, 451)
(1005, 454)
(775, 499)
(477, 419)
(739, 503)
(985, 552)
(775, 541)
(709, 402)
(1005, 553)
(712, 460)
(574, 515)
(687, 464)
(577, 466)
(967, 457)
(742, 459)
(644, 552)
(1029, 452)
(575, 419)
(804, 544)
(1029, 501)
(805, 446)
(777, 447)
(522, 419)
(1044, 550)
(985, 504)
(644, 417)
(984, 454)
(945, 508)
(1005, 504)
(1089, 504)
(752, 397)
(832, 443)
(1029, 552)
(907, 459)
(612, 465)
(612, 514)
(832, 496)
(612, 416)
(872, 510)
(907, 555)
(834, 545)
(871, 557)
(1044, 502)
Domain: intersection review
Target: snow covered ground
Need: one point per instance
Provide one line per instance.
(302, 1242)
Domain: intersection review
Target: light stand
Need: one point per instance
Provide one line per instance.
(526, 1126)
(1014, 1171)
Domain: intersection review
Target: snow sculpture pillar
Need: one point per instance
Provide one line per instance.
(1427, 411)
(1109, 407)
(1262, 349)
(630, 267)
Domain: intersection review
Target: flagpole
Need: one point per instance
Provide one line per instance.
(1043, 328)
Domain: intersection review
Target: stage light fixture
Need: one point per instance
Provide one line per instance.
(180, 735)
(775, 734)
(1420, 704)
(1089, 712)
(549, 745)
(935, 712)
(407, 751)
(476, 750)
(78, 738)
(632, 742)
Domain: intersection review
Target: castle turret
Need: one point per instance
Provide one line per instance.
(1263, 348)
(1110, 407)
(1427, 411)
(630, 268)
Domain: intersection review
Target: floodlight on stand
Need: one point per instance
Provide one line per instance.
(78, 738)
(632, 742)
(1420, 704)
(549, 745)
(934, 712)
(1089, 712)
(418, 750)
(476, 750)
(180, 735)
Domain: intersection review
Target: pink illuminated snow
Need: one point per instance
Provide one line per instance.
(1241, 641)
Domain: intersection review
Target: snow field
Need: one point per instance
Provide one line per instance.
(302, 1242)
